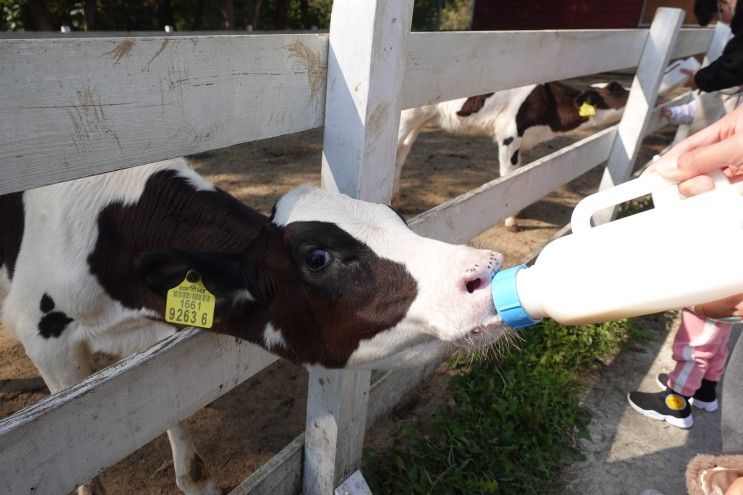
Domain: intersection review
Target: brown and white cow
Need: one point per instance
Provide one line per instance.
(327, 280)
(516, 119)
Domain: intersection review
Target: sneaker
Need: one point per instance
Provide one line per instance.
(665, 406)
(705, 398)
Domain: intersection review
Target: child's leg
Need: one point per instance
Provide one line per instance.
(695, 349)
(717, 363)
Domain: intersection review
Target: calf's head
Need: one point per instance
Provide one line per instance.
(607, 99)
(339, 282)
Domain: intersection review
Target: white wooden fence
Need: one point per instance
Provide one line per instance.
(76, 106)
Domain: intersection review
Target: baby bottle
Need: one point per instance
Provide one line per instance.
(682, 252)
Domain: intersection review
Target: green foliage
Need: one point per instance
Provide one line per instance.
(145, 15)
(190, 15)
(513, 421)
(433, 15)
(456, 15)
(635, 206)
(11, 15)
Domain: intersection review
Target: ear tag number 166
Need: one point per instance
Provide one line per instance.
(190, 303)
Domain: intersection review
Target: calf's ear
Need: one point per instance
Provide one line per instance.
(589, 96)
(617, 89)
(221, 273)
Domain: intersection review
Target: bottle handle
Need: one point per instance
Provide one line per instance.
(664, 192)
(662, 197)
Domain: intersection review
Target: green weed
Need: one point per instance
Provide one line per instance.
(513, 421)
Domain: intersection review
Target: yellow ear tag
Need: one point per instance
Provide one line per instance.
(587, 110)
(190, 303)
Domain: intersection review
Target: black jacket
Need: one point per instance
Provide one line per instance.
(726, 71)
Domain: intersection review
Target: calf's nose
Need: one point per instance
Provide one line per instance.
(480, 271)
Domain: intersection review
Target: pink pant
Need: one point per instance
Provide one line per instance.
(700, 349)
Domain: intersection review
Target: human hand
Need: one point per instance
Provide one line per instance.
(690, 82)
(665, 111)
(736, 487)
(718, 146)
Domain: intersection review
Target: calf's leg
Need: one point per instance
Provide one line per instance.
(411, 123)
(191, 475)
(509, 159)
(61, 363)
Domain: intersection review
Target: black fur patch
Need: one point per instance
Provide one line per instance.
(507, 141)
(170, 214)
(53, 324)
(515, 157)
(11, 229)
(551, 104)
(473, 104)
(46, 304)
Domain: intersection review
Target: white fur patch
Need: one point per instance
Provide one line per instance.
(285, 205)
(198, 182)
(273, 338)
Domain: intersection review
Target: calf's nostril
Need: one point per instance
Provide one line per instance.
(473, 285)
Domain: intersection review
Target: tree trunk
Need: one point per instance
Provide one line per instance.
(304, 11)
(257, 13)
(90, 6)
(39, 15)
(282, 6)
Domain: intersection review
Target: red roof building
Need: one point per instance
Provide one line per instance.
(569, 14)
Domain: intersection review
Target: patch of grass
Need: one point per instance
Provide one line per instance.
(643, 203)
(513, 421)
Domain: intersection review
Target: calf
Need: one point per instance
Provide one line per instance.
(517, 119)
(328, 280)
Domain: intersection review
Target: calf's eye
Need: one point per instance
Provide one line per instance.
(317, 259)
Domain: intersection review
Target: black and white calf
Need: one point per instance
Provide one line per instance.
(329, 280)
(516, 119)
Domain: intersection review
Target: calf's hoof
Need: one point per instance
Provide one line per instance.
(511, 224)
(92, 487)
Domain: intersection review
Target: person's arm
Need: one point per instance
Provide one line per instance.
(726, 71)
(680, 114)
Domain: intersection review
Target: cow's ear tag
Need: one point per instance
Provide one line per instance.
(587, 110)
(190, 303)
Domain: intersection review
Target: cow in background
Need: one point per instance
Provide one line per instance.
(516, 119)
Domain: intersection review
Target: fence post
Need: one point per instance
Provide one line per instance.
(631, 129)
(366, 66)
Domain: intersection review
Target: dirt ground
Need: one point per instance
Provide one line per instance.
(244, 428)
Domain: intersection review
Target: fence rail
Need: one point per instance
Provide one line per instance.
(444, 66)
(72, 107)
(77, 107)
(83, 106)
(63, 440)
